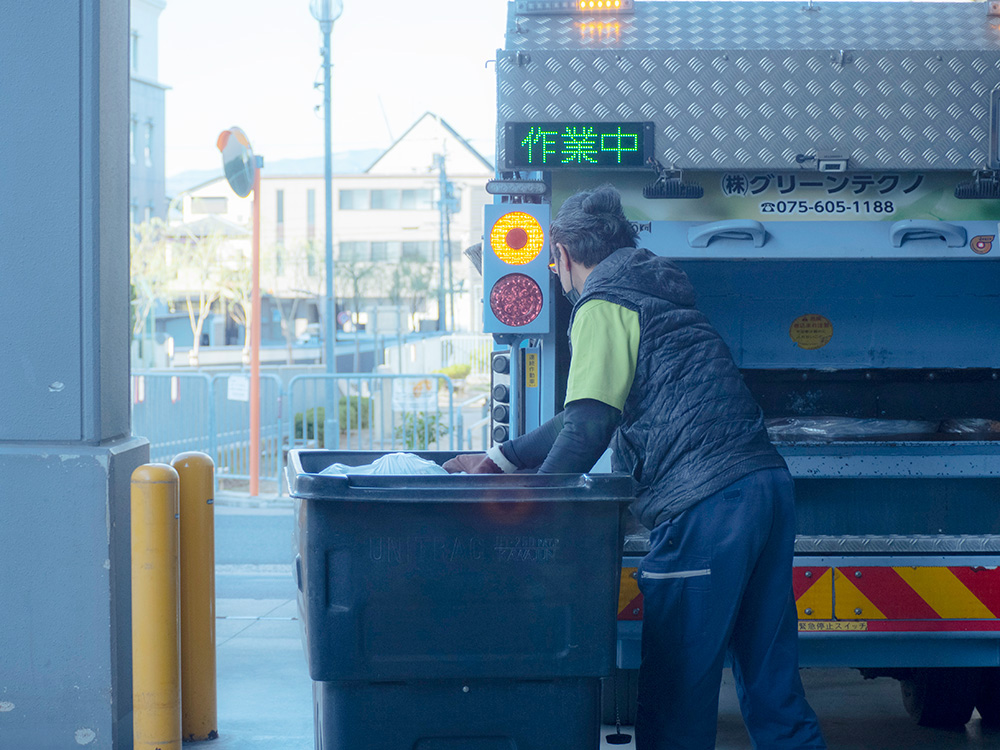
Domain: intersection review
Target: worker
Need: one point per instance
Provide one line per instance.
(649, 371)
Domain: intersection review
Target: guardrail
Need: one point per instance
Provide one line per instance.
(483, 422)
(190, 411)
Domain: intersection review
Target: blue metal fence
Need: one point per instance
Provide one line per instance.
(231, 414)
(374, 412)
(189, 411)
(174, 412)
(198, 412)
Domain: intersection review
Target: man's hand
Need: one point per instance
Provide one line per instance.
(472, 463)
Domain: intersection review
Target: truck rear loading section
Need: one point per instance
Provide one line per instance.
(827, 175)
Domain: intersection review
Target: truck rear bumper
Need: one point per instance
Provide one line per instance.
(877, 610)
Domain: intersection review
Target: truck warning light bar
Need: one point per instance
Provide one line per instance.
(554, 7)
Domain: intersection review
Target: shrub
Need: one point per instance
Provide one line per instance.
(419, 429)
(315, 419)
(455, 372)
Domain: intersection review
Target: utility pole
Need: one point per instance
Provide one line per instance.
(446, 206)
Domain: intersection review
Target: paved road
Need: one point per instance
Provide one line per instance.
(254, 553)
(265, 694)
(253, 536)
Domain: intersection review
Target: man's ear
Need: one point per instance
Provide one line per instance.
(563, 254)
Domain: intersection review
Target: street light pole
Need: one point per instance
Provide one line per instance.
(331, 308)
(326, 12)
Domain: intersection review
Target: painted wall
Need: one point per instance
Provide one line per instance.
(148, 113)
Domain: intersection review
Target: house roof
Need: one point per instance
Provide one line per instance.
(483, 161)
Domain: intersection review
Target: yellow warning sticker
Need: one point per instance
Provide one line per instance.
(531, 370)
(982, 244)
(828, 626)
(811, 331)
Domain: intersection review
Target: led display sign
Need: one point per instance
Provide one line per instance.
(578, 145)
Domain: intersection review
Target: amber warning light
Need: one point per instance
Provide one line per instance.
(556, 7)
(515, 270)
(517, 238)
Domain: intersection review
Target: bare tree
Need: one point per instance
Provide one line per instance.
(236, 288)
(298, 280)
(201, 266)
(411, 283)
(358, 280)
(148, 271)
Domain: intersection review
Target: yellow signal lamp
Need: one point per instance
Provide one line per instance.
(517, 238)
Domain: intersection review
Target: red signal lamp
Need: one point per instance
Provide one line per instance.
(516, 300)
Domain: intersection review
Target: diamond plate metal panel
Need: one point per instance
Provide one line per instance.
(752, 107)
(691, 25)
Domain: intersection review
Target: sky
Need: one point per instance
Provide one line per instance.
(253, 63)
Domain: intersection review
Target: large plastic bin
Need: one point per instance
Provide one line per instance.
(463, 609)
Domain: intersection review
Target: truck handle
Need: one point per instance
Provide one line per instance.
(733, 229)
(917, 229)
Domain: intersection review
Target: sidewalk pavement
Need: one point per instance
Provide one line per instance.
(264, 691)
(263, 686)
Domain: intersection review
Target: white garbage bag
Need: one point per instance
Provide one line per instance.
(390, 463)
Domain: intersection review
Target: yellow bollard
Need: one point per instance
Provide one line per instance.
(156, 664)
(198, 694)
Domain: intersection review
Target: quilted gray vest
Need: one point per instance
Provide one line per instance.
(689, 425)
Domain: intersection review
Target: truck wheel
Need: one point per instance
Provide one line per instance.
(941, 697)
(988, 697)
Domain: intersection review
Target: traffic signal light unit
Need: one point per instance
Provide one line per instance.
(516, 277)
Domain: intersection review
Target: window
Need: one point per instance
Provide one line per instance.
(147, 213)
(354, 251)
(134, 50)
(417, 250)
(209, 205)
(387, 251)
(310, 214)
(311, 258)
(132, 132)
(417, 199)
(353, 200)
(279, 217)
(147, 149)
(386, 200)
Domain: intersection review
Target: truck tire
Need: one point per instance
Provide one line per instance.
(940, 697)
(988, 696)
(625, 684)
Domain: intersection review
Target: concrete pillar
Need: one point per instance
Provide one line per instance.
(66, 452)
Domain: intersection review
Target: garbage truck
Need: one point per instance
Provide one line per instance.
(828, 175)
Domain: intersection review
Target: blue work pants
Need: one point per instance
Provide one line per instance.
(718, 577)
